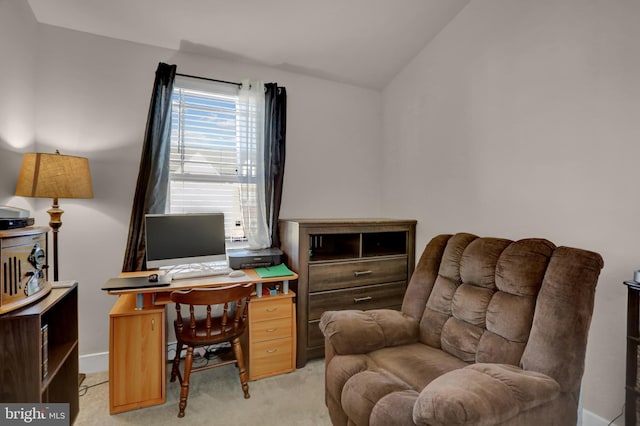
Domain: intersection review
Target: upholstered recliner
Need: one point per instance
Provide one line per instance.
(491, 332)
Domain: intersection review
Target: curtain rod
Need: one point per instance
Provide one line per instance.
(210, 79)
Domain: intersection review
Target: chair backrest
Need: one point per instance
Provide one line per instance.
(527, 303)
(225, 296)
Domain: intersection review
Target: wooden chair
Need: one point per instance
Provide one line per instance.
(194, 332)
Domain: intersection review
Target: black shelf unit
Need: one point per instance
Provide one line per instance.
(632, 385)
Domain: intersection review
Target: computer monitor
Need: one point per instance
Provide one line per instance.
(184, 239)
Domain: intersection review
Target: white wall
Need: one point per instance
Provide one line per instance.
(522, 119)
(18, 48)
(93, 96)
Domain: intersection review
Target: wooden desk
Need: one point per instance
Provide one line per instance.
(160, 295)
(137, 337)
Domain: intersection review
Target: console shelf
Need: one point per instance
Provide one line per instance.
(36, 370)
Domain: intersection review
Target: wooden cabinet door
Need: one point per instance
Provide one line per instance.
(137, 364)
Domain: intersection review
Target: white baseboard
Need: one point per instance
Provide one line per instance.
(94, 363)
(590, 419)
(99, 362)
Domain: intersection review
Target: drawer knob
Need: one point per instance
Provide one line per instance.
(271, 351)
(272, 309)
(362, 299)
(360, 273)
(271, 330)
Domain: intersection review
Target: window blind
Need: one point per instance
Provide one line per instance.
(205, 162)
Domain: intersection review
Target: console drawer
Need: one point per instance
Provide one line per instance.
(363, 298)
(332, 276)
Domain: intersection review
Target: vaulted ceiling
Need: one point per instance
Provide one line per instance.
(361, 42)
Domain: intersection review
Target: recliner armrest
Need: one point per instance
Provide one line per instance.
(359, 332)
(482, 393)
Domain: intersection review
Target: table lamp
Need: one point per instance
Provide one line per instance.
(54, 176)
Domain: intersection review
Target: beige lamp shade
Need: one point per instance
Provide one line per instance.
(54, 176)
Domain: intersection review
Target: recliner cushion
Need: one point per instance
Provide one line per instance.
(489, 300)
(363, 391)
(483, 394)
(360, 381)
(415, 364)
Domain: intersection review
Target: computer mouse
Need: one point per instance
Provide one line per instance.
(153, 278)
(237, 274)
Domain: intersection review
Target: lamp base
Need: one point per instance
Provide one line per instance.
(55, 222)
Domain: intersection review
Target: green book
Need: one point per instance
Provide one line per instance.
(280, 270)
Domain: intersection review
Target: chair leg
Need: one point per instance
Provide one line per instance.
(184, 386)
(237, 351)
(175, 369)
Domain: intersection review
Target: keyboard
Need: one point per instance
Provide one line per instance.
(197, 273)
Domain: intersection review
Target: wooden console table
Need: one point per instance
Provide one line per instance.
(345, 264)
(36, 370)
(137, 337)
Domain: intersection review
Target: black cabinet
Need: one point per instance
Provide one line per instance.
(632, 387)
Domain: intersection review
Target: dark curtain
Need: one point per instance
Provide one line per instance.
(153, 176)
(274, 153)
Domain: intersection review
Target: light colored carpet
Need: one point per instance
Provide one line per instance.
(215, 398)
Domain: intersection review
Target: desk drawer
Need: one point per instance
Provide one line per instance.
(271, 357)
(269, 330)
(332, 276)
(362, 298)
(270, 309)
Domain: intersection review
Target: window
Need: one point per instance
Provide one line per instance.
(206, 157)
